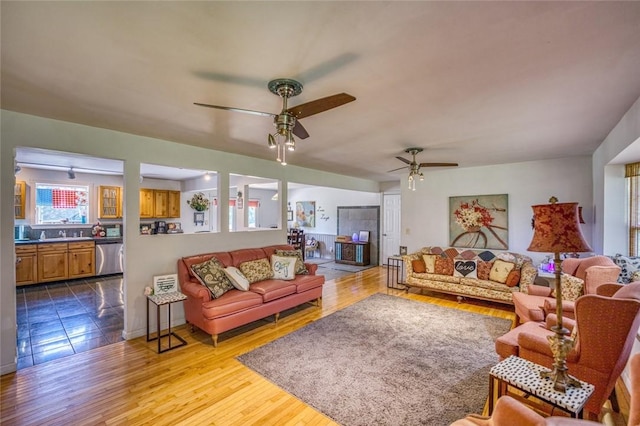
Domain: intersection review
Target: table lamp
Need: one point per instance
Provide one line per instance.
(556, 229)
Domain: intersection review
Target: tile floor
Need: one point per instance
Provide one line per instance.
(61, 319)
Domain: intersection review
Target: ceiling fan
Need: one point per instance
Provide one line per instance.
(286, 122)
(414, 166)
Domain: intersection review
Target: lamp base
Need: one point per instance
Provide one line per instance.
(561, 345)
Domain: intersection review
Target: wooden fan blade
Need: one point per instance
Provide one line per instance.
(404, 160)
(247, 111)
(438, 164)
(395, 170)
(320, 105)
(300, 131)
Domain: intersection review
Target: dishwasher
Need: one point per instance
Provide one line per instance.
(109, 256)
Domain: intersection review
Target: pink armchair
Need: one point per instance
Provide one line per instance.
(606, 323)
(594, 271)
(509, 412)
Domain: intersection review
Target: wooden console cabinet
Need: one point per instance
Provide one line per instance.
(352, 253)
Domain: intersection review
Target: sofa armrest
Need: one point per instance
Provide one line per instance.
(195, 290)
(608, 289)
(539, 290)
(535, 343)
(552, 319)
(311, 267)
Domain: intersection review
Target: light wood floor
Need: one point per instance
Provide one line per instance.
(129, 383)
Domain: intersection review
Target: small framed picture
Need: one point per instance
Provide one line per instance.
(403, 250)
(163, 284)
(289, 215)
(363, 236)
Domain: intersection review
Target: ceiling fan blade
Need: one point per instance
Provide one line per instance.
(404, 160)
(438, 164)
(320, 105)
(300, 131)
(395, 170)
(247, 111)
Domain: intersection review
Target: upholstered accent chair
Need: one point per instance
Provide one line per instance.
(590, 272)
(605, 328)
(510, 412)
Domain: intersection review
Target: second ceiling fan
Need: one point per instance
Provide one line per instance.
(414, 167)
(286, 122)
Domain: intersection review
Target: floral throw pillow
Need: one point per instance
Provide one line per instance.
(444, 266)
(211, 275)
(256, 270)
(300, 268)
(572, 287)
(484, 268)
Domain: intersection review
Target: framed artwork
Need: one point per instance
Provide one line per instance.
(306, 213)
(479, 221)
(163, 284)
(198, 218)
(363, 236)
(289, 215)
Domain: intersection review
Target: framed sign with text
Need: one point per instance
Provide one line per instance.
(163, 284)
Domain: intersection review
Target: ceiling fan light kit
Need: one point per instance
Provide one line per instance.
(286, 123)
(414, 167)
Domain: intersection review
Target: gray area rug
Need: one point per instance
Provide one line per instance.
(386, 361)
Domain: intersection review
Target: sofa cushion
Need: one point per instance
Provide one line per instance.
(572, 287)
(465, 268)
(232, 302)
(300, 268)
(418, 266)
(283, 267)
(500, 270)
(628, 267)
(444, 266)
(484, 268)
(307, 282)
(211, 274)
(273, 289)
(430, 262)
(237, 278)
(513, 278)
(256, 270)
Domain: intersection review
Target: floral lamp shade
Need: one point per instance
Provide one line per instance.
(556, 229)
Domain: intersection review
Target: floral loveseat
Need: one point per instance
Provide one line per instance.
(479, 274)
(228, 289)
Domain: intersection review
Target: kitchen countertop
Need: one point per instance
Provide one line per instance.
(69, 240)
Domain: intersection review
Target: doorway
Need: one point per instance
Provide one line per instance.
(391, 213)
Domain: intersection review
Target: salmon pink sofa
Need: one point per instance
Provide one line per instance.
(235, 307)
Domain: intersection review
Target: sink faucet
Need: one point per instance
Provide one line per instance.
(63, 234)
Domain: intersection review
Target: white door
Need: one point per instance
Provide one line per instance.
(391, 226)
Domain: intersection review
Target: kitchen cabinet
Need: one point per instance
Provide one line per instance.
(146, 203)
(352, 253)
(160, 203)
(81, 259)
(174, 204)
(53, 262)
(19, 199)
(110, 202)
(26, 264)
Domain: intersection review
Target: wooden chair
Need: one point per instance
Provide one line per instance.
(296, 239)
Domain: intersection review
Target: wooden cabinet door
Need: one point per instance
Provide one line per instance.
(110, 202)
(174, 204)
(146, 203)
(52, 262)
(26, 264)
(19, 199)
(161, 203)
(81, 260)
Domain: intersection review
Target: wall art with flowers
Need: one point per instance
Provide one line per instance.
(479, 221)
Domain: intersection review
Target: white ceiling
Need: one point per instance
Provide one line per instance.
(475, 83)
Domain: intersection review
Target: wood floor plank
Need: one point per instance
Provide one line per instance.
(129, 383)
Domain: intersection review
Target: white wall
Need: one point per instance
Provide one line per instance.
(425, 211)
(327, 202)
(145, 256)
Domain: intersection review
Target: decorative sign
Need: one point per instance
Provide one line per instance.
(163, 284)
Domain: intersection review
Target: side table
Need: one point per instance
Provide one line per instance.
(525, 376)
(159, 300)
(396, 263)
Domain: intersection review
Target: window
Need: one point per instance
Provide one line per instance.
(61, 204)
(632, 173)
